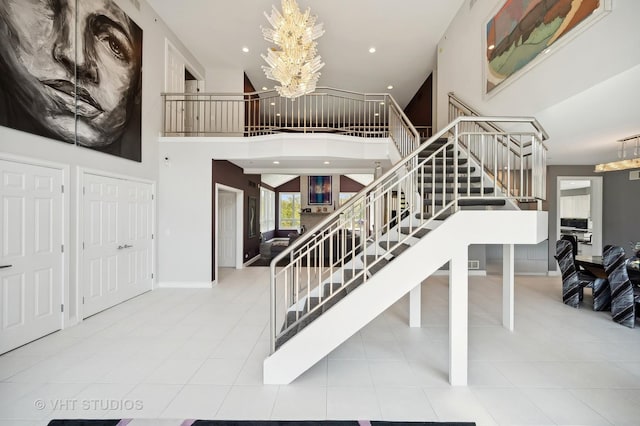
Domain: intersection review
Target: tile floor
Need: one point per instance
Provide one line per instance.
(198, 354)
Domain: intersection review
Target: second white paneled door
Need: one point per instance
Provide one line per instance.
(31, 252)
(117, 246)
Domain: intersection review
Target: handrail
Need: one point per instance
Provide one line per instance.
(514, 147)
(475, 113)
(369, 115)
(330, 248)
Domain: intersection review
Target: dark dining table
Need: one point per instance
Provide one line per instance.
(594, 265)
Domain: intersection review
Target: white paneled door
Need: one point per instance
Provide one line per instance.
(31, 252)
(226, 229)
(117, 246)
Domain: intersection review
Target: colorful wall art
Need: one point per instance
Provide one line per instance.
(523, 29)
(320, 190)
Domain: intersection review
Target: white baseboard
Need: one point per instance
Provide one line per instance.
(554, 273)
(250, 261)
(184, 284)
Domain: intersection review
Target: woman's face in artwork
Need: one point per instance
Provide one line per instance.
(42, 56)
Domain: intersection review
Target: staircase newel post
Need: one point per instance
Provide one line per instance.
(272, 308)
(455, 168)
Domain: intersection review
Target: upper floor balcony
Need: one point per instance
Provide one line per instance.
(351, 120)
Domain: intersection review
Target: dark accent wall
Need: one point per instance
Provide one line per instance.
(251, 109)
(349, 185)
(266, 236)
(420, 108)
(229, 174)
(621, 210)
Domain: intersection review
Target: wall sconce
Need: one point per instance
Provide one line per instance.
(624, 164)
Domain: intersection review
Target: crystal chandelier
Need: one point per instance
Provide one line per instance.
(624, 163)
(293, 62)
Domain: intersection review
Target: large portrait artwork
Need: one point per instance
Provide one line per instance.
(523, 30)
(71, 70)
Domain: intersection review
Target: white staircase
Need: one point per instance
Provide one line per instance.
(458, 188)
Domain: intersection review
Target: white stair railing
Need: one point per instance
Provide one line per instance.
(509, 152)
(327, 110)
(348, 244)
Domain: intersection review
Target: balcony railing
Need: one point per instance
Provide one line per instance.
(327, 110)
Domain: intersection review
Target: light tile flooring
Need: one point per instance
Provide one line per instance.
(198, 354)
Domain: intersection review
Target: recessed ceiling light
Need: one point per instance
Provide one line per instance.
(276, 162)
(278, 115)
(245, 49)
(491, 47)
(273, 104)
(265, 88)
(389, 87)
(327, 162)
(381, 103)
(547, 50)
(372, 50)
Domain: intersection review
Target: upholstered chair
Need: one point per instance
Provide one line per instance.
(574, 281)
(624, 295)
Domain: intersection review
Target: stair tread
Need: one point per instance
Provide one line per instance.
(418, 234)
(395, 251)
(461, 190)
(382, 262)
(426, 179)
(441, 216)
(467, 202)
(449, 169)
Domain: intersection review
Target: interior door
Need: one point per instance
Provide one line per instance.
(226, 229)
(117, 254)
(101, 253)
(31, 224)
(191, 108)
(135, 248)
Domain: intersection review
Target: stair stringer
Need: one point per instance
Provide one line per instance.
(395, 280)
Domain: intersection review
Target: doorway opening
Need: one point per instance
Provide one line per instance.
(228, 231)
(579, 212)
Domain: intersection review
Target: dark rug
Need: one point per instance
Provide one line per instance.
(124, 422)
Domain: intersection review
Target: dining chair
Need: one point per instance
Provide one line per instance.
(574, 281)
(624, 295)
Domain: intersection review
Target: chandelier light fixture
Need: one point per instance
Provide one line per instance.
(293, 62)
(624, 163)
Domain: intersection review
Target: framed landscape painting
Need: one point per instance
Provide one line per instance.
(522, 32)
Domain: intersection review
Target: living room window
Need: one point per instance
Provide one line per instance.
(289, 210)
(267, 210)
(344, 196)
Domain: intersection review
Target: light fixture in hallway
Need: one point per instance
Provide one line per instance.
(293, 62)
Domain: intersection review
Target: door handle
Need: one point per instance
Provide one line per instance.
(120, 247)
(127, 246)
(5, 266)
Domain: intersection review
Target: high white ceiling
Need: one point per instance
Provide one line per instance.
(405, 34)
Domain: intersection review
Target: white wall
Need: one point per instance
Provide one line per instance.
(224, 80)
(28, 145)
(605, 49)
